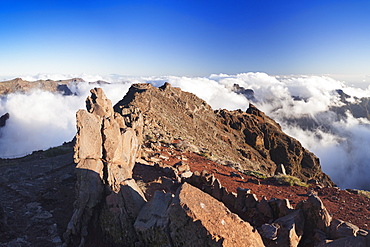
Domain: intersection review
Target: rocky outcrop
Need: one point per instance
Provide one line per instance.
(265, 135)
(3, 119)
(246, 140)
(341, 229)
(291, 229)
(108, 199)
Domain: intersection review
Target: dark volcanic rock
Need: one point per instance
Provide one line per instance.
(248, 93)
(3, 119)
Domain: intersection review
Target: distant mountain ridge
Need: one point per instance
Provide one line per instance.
(357, 107)
(22, 86)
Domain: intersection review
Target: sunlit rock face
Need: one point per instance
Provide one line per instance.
(105, 153)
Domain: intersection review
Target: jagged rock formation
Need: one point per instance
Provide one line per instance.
(248, 140)
(107, 196)
(265, 135)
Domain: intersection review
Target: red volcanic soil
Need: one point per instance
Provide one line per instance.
(341, 204)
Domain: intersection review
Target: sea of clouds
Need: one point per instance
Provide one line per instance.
(40, 120)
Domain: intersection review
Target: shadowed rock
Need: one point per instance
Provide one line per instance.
(3, 119)
(152, 221)
(315, 214)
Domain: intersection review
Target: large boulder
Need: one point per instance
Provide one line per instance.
(280, 207)
(197, 219)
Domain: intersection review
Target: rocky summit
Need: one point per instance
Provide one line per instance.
(161, 168)
(245, 140)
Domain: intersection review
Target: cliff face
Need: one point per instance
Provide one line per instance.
(246, 140)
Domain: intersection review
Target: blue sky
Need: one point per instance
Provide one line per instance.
(176, 37)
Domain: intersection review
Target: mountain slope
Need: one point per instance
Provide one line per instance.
(245, 140)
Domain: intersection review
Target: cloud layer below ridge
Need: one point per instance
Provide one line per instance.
(40, 120)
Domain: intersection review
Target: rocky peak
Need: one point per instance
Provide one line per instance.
(75, 80)
(18, 80)
(111, 205)
(105, 154)
(98, 103)
(343, 95)
(247, 140)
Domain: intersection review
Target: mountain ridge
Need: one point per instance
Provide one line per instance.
(166, 171)
(237, 138)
